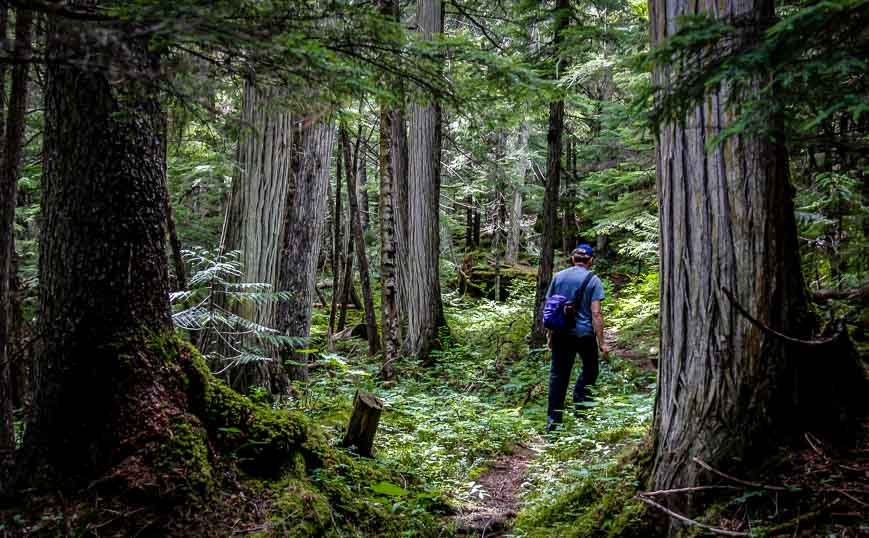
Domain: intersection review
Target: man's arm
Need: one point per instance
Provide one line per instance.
(597, 323)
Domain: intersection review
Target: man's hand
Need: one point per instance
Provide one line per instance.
(549, 340)
(605, 351)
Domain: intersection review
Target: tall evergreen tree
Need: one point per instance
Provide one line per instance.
(562, 16)
(256, 217)
(304, 214)
(424, 305)
(103, 277)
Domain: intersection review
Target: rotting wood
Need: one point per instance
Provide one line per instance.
(363, 423)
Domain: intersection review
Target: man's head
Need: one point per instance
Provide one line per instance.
(582, 255)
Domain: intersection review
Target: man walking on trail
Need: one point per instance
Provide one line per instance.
(585, 290)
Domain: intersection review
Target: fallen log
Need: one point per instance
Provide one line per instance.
(363, 423)
(835, 293)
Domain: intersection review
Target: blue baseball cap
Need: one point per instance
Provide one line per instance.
(583, 249)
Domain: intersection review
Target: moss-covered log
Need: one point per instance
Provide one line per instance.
(479, 280)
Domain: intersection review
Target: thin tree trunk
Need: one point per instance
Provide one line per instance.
(337, 252)
(399, 168)
(12, 144)
(514, 237)
(553, 179)
(425, 308)
(500, 209)
(175, 246)
(364, 202)
(304, 216)
(256, 217)
(388, 232)
(361, 257)
(568, 223)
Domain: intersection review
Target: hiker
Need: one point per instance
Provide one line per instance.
(576, 294)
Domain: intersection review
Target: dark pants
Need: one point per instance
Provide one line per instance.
(564, 350)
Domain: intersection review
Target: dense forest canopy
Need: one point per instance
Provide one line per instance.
(295, 268)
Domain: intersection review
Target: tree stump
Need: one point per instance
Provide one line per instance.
(363, 423)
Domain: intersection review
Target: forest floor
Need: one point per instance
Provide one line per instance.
(470, 427)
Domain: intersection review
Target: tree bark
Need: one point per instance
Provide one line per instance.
(101, 286)
(364, 202)
(553, 179)
(500, 208)
(361, 256)
(727, 390)
(337, 252)
(12, 143)
(363, 423)
(399, 168)
(256, 216)
(515, 232)
(388, 232)
(303, 221)
(425, 308)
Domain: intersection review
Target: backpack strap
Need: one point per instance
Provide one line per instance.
(577, 297)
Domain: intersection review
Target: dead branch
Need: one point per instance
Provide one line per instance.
(711, 469)
(847, 293)
(690, 521)
(682, 490)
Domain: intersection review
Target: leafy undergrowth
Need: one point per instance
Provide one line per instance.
(448, 425)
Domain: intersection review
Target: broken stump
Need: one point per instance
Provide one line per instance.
(363, 423)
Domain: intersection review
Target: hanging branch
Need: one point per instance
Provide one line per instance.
(760, 325)
(758, 485)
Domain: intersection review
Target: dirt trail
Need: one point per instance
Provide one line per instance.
(491, 516)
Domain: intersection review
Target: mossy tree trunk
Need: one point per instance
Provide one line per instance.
(121, 406)
(103, 277)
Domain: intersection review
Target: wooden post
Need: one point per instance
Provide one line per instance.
(363, 423)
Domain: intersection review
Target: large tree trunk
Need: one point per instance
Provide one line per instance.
(727, 390)
(553, 179)
(388, 232)
(256, 215)
(304, 215)
(425, 309)
(11, 141)
(515, 232)
(361, 256)
(103, 275)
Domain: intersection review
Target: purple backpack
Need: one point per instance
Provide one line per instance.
(559, 313)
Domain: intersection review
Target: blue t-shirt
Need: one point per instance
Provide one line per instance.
(567, 283)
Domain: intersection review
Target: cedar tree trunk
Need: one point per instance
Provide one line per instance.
(256, 215)
(425, 308)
